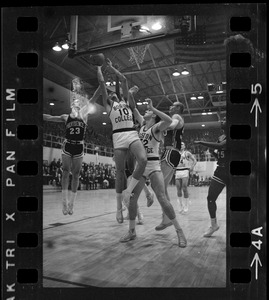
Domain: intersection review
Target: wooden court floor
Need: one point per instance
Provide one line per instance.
(83, 250)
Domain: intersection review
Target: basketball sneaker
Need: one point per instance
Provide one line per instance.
(182, 242)
(211, 230)
(162, 226)
(184, 210)
(70, 208)
(128, 237)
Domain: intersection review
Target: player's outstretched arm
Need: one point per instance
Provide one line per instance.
(61, 118)
(166, 120)
(139, 118)
(132, 91)
(212, 145)
(96, 95)
(122, 78)
(103, 89)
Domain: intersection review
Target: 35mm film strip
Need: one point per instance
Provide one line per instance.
(22, 156)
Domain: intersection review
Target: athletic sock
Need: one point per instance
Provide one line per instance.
(186, 203)
(73, 197)
(214, 222)
(146, 190)
(180, 204)
(165, 220)
(132, 185)
(119, 200)
(132, 226)
(65, 194)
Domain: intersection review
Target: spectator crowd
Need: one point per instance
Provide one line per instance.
(92, 176)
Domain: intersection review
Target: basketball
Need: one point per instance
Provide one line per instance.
(97, 59)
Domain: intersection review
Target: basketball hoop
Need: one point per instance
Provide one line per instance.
(137, 54)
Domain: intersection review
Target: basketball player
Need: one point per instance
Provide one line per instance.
(183, 170)
(73, 147)
(151, 134)
(219, 179)
(124, 137)
(171, 155)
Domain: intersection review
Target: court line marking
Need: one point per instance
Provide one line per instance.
(66, 281)
(79, 220)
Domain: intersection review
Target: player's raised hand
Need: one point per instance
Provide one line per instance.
(134, 89)
(109, 62)
(149, 105)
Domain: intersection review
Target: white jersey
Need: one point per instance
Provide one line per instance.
(184, 162)
(121, 116)
(150, 141)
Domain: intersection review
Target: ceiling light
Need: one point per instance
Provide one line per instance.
(108, 83)
(157, 26)
(51, 103)
(203, 125)
(209, 113)
(219, 92)
(145, 102)
(204, 113)
(104, 123)
(193, 98)
(143, 28)
(185, 72)
(66, 45)
(211, 87)
(104, 113)
(200, 97)
(139, 103)
(175, 73)
(57, 47)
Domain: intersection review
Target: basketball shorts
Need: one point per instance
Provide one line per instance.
(73, 150)
(183, 173)
(220, 175)
(172, 157)
(151, 167)
(123, 140)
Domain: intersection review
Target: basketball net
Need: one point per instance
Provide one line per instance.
(78, 92)
(137, 54)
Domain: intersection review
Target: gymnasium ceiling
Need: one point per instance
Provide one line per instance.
(200, 50)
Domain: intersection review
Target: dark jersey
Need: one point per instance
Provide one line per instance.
(173, 138)
(221, 153)
(75, 129)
